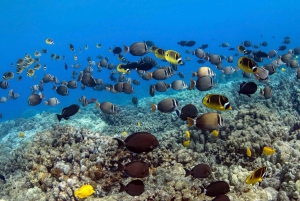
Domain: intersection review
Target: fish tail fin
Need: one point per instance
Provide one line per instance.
(178, 112)
(202, 189)
(191, 121)
(187, 172)
(122, 187)
(153, 107)
(149, 75)
(194, 74)
(97, 104)
(126, 49)
(261, 92)
(59, 117)
(120, 143)
(120, 166)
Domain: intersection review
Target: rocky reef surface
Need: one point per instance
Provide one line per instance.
(53, 159)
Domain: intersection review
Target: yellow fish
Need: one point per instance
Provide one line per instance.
(215, 133)
(283, 69)
(216, 102)
(268, 151)
(187, 134)
(186, 143)
(121, 69)
(173, 57)
(248, 152)
(138, 123)
(84, 191)
(49, 41)
(21, 134)
(247, 65)
(124, 133)
(256, 176)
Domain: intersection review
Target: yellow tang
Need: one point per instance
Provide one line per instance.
(138, 123)
(268, 151)
(186, 143)
(247, 65)
(159, 53)
(256, 176)
(84, 191)
(216, 102)
(283, 69)
(248, 152)
(121, 69)
(173, 57)
(21, 134)
(187, 134)
(124, 133)
(215, 133)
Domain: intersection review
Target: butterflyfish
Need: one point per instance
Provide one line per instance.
(256, 176)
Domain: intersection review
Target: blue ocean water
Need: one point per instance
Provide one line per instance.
(25, 25)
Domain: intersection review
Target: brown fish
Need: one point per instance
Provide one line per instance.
(139, 142)
(188, 110)
(216, 188)
(133, 188)
(136, 169)
(199, 171)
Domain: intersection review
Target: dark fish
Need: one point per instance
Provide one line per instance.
(260, 54)
(107, 107)
(281, 48)
(4, 85)
(188, 110)
(34, 99)
(66, 66)
(204, 46)
(199, 171)
(136, 169)
(180, 74)
(135, 100)
(231, 48)
(145, 66)
(167, 105)
(190, 43)
(136, 49)
(71, 47)
(117, 50)
(67, 112)
(182, 43)
(62, 90)
(247, 88)
(1, 176)
(152, 90)
(133, 188)
(264, 44)
(139, 142)
(136, 82)
(247, 43)
(0, 118)
(149, 43)
(84, 102)
(88, 81)
(216, 188)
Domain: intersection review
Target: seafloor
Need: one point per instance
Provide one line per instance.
(53, 159)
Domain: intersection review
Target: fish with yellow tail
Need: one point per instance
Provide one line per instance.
(216, 102)
(124, 133)
(159, 53)
(256, 176)
(173, 57)
(138, 123)
(210, 121)
(248, 152)
(84, 191)
(283, 69)
(186, 143)
(268, 151)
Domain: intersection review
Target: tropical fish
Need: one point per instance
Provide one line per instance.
(139, 142)
(49, 41)
(84, 191)
(173, 57)
(216, 102)
(186, 143)
(187, 134)
(124, 133)
(199, 171)
(136, 169)
(268, 151)
(21, 134)
(256, 176)
(133, 188)
(138, 123)
(248, 152)
(216, 188)
(247, 64)
(67, 112)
